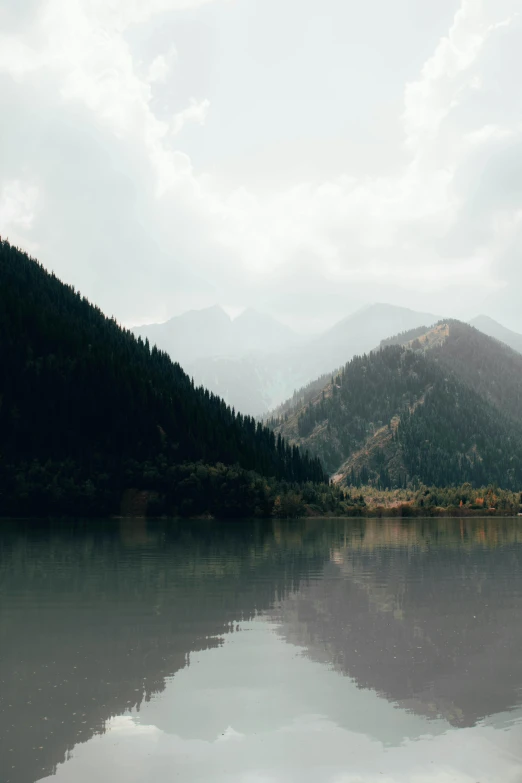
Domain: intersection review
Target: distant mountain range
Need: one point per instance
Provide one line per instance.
(442, 405)
(255, 363)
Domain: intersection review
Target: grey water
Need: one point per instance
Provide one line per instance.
(261, 652)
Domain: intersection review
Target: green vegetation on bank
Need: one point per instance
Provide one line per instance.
(463, 500)
(159, 487)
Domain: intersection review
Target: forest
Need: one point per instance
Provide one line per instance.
(85, 407)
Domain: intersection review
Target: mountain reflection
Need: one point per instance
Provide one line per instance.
(95, 617)
(426, 613)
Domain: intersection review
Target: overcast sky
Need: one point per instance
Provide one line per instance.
(302, 156)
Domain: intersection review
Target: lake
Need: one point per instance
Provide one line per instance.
(261, 652)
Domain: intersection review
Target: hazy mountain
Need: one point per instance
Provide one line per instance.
(359, 333)
(254, 331)
(502, 333)
(263, 380)
(211, 333)
(445, 407)
(241, 359)
(243, 383)
(189, 336)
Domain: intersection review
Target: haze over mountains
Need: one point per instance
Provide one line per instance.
(256, 363)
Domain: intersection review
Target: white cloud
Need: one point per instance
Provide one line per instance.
(399, 232)
(195, 112)
(161, 67)
(17, 204)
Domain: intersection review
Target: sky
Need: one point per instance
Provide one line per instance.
(301, 157)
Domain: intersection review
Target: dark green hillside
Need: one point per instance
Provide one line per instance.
(83, 401)
(443, 410)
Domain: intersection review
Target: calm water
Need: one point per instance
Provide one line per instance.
(343, 652)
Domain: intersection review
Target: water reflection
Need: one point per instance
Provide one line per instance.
(426, 614)
(99, 624)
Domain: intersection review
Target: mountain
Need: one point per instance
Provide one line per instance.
(442, 408)
(357, 334)
(236, 359)
(192, 335)
(243, 383)
(492, 328)
(254, 331)
(361, 332)
(87, 411)
(313, 365)
(267, 376)
(211, 333)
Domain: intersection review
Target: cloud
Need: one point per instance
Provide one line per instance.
(308, 748)
(161, 66)
(195, 112)
(448, 73)
(118, 209)
(17, 204)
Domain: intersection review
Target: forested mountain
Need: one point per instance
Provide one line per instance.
(442, 408)
(494, 329)
(87, 410)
